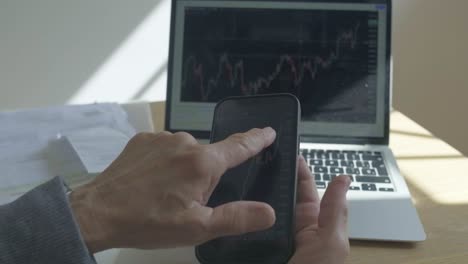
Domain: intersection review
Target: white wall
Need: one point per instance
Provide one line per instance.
(64, 51)
(59, 51)
(431, 66)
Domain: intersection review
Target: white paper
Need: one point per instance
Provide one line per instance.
(34, 149)
(97, 147)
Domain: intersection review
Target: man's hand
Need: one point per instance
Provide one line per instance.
(154, 194)
(321, 227)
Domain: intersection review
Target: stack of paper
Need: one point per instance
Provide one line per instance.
(71, 141)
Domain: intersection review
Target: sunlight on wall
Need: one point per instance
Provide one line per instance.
(136, 70)
(157, 90)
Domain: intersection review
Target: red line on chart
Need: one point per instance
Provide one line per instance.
(235, 71)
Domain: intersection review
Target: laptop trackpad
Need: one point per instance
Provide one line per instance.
(393, 219)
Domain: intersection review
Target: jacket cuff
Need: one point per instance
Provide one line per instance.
(39, 227)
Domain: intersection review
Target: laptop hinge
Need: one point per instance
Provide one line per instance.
(344, 140)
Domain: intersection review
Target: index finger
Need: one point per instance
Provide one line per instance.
(238, 148)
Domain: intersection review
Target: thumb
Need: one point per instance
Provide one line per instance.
(241, 217)
(333, 207)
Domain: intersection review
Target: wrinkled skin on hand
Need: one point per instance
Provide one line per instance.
(154, 194)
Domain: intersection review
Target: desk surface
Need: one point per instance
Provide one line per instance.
(437, 176)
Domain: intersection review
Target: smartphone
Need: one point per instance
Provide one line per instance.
(269, 177)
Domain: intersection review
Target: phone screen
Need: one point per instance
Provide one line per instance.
(269, 177)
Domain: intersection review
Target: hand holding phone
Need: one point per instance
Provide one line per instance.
(269, 177)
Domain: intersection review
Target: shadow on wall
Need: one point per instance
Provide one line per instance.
(56, 52)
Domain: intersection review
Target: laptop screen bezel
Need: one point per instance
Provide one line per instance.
(384, 140)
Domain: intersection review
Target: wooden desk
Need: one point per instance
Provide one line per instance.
(437, 176)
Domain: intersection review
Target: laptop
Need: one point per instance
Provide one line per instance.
(335, 56)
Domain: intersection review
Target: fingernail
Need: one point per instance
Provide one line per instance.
(348, 180)
(269, 131)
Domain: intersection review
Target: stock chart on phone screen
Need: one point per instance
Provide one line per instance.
(327, 58)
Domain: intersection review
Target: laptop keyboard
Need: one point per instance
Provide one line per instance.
(365, 168)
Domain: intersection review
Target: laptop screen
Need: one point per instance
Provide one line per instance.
(333, 56)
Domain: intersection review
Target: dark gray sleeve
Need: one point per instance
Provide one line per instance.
(39, 228)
